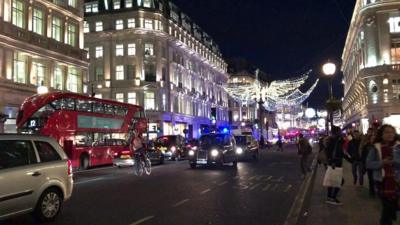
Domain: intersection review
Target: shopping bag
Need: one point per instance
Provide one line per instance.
(333, 177)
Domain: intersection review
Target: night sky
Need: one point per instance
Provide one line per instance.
(284, 38)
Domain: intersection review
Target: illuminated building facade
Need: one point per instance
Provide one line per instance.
(150, 53)
(371, 65)
(41, 44)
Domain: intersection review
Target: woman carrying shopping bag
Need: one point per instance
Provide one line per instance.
(383, 159)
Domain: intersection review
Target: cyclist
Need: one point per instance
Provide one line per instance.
(137, 145)
(137, 148)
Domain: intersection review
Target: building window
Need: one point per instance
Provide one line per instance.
(72, 3)
(149, 101)
(71, 34)
(119, 72)
(95, 7)
(147, 3)
(131, 72)
(131, 23)
(37, 21)
(148, 49)
(128, 3)
(119, 24)
(119, 50)
(58, 78)
(19, 68)
(117, 4)
(86, 27)
(148, 24)
(37, 73)
(72, 80)
(18, 13)
(131, 49)
(395, 53)
(99, 52)
(150, 73)
(88, 8)
(99, 26)
(119, 97)
(56, 28)
(99, 74)
(132, 98)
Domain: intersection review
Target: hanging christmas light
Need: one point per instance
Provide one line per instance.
(276, 94)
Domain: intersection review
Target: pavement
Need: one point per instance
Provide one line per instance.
(357, 209)
(255, 193)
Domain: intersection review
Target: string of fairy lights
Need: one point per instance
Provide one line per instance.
(279, 93)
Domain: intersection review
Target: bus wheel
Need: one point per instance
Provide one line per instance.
(84, 162)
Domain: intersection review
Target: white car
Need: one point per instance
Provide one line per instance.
(35, 176)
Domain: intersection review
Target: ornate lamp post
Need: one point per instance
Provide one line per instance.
(329, 69)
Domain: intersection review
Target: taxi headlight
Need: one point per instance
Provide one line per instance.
(191, 153)
(214, 153)
(239, 151)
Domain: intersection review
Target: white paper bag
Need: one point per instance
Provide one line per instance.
(333, 177)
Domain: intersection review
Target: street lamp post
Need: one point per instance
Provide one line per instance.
(329, 69)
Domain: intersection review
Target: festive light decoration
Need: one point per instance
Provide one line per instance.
(273, 95)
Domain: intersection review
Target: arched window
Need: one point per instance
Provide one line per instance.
(373, 88)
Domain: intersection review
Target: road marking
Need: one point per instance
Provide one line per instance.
(91, 170)
(253, 177)
(222, 183)
(205, 191)
(288, 188)
(268, 178)
(266, 187)
(259, 177)
(180, 203)
(279, 180)
(87, 181)
(255, 186)
(274, 187)
(142, 220)
(237, 177)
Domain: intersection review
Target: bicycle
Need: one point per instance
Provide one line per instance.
(142, 164)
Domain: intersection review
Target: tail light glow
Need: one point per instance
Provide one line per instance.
(69, 163)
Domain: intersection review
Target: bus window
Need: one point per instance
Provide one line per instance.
(84, 106)
(68, 103)
(109, 109)
(139, 114)
(83, 140)
(120, 111)
(98, 107)
(57, 104)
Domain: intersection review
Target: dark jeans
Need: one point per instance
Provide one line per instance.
(389, 210)
(371, 182)
(304, 164)
(358, 172)
(333, 192)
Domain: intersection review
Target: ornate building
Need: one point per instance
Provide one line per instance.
(41, 44)
(371, 65)
(149, 52)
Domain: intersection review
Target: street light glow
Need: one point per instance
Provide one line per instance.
(42, 90)
(329, 69)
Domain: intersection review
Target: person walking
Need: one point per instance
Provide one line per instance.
(279, 143)
(367, 146)
(304, 150)
(335, 154)
(356, 161)
(383, 160)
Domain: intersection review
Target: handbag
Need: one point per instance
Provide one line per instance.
(333, 177)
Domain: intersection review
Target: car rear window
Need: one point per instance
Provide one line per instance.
(46, 152)
(14, 153)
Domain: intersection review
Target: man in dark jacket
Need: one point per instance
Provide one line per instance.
(304, 150)
(356, 159)
(335, 154)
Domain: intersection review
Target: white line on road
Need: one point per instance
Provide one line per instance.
(142, 220)
(288, 188)
(180, 203)
(266, 187)
(255, 186)
(220, 184)
(87, 181)
(253, 177)
(91, 170)
(268, 178)
(205, 191)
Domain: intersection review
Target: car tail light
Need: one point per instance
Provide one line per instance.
(69, 163)
(173, 148)
(125, 152)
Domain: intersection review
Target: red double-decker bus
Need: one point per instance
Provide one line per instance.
(90, 130)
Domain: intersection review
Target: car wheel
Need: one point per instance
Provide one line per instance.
(84, 162)
(193, 165)
(49, 205)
